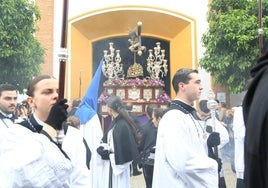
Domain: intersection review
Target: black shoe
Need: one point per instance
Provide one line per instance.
(222, 183)
(136, 173)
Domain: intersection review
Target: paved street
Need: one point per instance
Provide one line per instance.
(138, 181)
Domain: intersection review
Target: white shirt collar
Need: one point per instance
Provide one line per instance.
(6, 115)
(40, 122)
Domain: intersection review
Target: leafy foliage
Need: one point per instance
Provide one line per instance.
(231, 41)
(21, 54)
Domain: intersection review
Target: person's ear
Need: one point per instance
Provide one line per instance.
(30, 101)
(180, 84)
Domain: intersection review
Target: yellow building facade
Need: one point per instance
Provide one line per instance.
(178, 22)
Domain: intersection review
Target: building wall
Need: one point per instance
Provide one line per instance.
(85, 29)
(45, 33)
(185, 44)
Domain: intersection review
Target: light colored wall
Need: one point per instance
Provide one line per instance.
(187, 41)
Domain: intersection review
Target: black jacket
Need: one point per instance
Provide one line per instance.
(125, 147)
(148, 137)
(255, 109)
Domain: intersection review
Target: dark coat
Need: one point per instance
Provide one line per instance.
(148, 137)
(255, 109)
(125, 147)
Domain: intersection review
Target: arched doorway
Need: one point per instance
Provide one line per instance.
(85, 29)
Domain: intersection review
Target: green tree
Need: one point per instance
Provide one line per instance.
(21, 54)
(231, 41)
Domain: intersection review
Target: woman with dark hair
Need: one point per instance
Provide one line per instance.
(119, 147)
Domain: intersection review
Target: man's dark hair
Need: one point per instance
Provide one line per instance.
(7, 87)
(203, 106)
(182, 75)
(158, 112)
(149, 109)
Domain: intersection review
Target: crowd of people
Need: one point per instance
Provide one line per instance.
(179, 146)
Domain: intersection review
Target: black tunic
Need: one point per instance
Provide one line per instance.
(255, 109)
(125, 147)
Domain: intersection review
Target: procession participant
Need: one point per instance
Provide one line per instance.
(148, 141)
(8, 103)
(255, 110)
(180, 158)
(30, 159)
(119, 145)
(48, 115)
(134, 166)
(81, 153)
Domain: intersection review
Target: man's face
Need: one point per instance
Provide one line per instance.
(193, 88)
(8, 101)
(44, 97)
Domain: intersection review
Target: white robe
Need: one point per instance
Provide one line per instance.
(93, 134)
(120, 173)
(239, 136)
(80, 177)
(181, 159)
(74, 147)
(29, 159)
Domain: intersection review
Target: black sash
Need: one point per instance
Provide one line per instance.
(32, 124)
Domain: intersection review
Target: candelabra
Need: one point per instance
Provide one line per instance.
(112, 66)
(156, 62)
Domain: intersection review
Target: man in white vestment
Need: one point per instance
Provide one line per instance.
(8, 103)
(181, 159)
